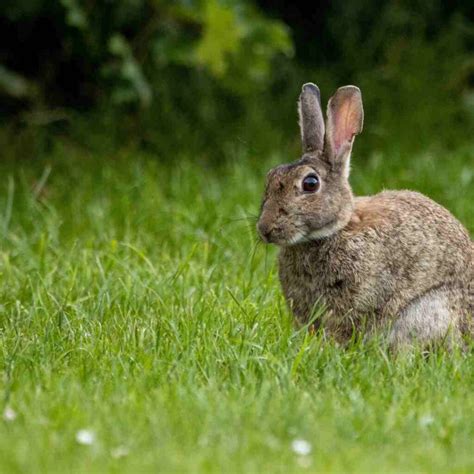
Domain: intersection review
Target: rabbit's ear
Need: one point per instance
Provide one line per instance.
(345, 120)
(311, 118)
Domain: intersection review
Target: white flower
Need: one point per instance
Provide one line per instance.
(9, 414)
(301, 447)
(426, 420)
(85, 437)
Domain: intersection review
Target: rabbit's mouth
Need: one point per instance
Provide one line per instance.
(272, 234)
(282, 237)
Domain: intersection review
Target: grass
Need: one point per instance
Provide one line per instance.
(135, 305)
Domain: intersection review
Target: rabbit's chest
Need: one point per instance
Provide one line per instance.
(342, 282)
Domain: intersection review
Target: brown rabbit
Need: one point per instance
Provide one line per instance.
(396, 262)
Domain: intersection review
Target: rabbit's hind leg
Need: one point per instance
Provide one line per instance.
(432, 318)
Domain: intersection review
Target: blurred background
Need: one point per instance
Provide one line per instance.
(210, 78)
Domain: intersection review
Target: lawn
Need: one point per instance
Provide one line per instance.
(142, 329)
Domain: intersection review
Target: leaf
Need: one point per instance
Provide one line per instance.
(220, 39)
(75, 15)
(13, 84)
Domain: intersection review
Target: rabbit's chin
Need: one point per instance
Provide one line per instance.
(322, 233)
(326, 231)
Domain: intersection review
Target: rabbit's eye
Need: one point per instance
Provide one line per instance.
(311, 183)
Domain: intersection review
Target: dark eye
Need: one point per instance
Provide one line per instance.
(311, 183)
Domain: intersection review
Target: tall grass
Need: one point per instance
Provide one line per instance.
(137, 305)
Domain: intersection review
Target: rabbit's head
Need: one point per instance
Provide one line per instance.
(311, 198)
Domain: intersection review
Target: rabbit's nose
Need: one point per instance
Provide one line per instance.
(266, 236)
(265, 231)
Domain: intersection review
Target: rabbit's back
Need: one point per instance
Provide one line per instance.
(397, 246)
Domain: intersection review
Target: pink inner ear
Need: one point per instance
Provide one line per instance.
(346, 118)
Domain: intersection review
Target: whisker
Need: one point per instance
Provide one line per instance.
(253, 251)
(247, 218)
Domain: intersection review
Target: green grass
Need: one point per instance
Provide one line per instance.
(135, 304)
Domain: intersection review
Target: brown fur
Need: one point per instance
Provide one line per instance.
(396, 261)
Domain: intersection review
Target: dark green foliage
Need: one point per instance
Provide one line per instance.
(79, 52)
(213, 76)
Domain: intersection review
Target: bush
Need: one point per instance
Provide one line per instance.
(207, 77)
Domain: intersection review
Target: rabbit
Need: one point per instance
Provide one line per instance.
(396, 263)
